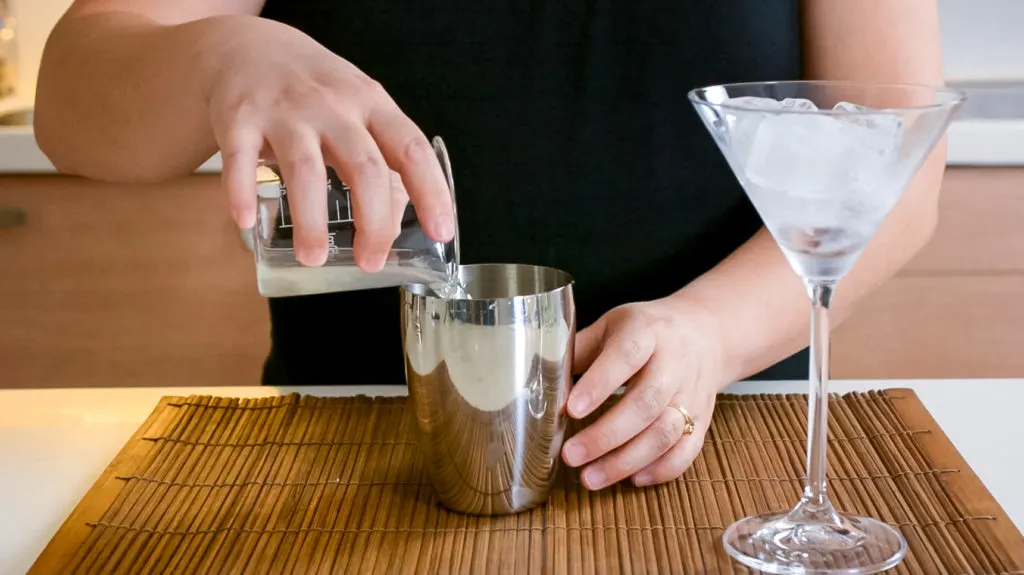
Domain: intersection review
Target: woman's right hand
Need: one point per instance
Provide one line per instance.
(274, 92)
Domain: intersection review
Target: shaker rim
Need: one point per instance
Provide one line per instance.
(545, 280)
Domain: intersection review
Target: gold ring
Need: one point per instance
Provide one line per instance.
(688, 424)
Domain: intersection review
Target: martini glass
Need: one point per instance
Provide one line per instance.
(823, 164)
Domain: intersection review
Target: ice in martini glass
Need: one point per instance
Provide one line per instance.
(823, 164)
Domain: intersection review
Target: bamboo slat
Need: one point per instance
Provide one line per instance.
(300, 484)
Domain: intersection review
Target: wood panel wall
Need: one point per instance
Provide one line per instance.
(957, 310)
(125, 285)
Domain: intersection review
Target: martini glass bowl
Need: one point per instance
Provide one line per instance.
(823, 163)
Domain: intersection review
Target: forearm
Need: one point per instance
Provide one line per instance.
(760, 308)
(121, 96)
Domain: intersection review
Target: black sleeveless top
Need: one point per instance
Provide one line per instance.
(572, 142)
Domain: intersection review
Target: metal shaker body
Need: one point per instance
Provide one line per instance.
(488, 381)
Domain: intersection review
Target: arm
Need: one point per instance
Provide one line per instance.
(145, 90)
(120, 94)
(868, 40)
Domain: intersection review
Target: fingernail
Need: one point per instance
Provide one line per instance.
(642, 478)
(445, 227)
(244, 218)
(371, 263)
(312, 257)
(574, 453)
(578, 404)
(594, 478)
(377, 262)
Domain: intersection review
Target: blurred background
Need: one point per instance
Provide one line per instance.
(105, 286)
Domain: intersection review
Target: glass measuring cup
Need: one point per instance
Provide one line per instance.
(414, 258)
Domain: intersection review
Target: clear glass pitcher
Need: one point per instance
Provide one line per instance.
(414, 258)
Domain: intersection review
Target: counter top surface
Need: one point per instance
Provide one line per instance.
(54, 443)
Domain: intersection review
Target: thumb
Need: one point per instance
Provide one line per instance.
(589, 343)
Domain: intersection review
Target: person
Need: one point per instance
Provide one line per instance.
(573, 146)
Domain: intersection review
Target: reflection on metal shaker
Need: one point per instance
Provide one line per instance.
(488, 381)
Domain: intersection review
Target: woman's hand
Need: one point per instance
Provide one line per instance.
(666, 352)
(275, 92)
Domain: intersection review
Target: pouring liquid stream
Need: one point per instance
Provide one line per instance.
(452, 287)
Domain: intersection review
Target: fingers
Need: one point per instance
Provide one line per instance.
(657, 439)
(621, 355)
(644, 402)
(674, 462)
(399, 201)
(364, 139)
(588, 346)
(298, 152)
(240, 149)
(361, 166)
(408, 152)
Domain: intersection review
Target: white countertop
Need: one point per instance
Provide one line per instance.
(55, 443)
(974, 140)
(979, 143)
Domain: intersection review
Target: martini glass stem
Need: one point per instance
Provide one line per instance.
(815, 492)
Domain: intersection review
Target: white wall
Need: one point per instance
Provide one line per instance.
(983, 39)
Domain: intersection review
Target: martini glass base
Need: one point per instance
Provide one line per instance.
(814, 543)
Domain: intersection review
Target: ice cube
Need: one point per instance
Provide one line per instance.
(820, 155)
(799, 154)
(759, 103)
(849, 107)
(742, 124)
(874, 140)
(798, 104)
(888, 123)
(752, 102)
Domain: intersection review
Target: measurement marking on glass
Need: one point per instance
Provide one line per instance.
(338, 217)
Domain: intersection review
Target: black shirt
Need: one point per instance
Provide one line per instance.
(572, 142)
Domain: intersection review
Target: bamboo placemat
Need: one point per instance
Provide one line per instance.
(313, 485)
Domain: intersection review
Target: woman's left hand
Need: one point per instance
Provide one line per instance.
(667, 354)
